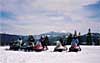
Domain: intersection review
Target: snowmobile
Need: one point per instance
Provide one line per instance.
(38, 47)
(24, 47)
(14, 46)
(27, 46)
(74, 49)
(11, 46)
(59, 47)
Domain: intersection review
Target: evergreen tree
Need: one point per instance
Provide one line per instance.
(75, 33)
(99, 40)
(79, 37)
(69, 39)
(89, 37)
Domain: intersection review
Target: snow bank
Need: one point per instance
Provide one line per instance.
(89, 54)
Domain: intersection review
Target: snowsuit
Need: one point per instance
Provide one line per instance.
(30, 43)
(46, 42)
(74, 42)
(58, 44)
(42, 41)
(20, 42)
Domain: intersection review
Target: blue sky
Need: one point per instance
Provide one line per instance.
(39, 16)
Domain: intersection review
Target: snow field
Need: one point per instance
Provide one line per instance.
(89, 54)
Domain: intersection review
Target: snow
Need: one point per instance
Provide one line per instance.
(89, 54)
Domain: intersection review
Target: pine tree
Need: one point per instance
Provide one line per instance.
(79, 37)
(75, 33)
(99, 41)
(89, 37)
(69, 39)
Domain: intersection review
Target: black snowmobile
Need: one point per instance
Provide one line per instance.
(60, 49)
(14, 46)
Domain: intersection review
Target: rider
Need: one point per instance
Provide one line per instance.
(31, 41)
(58, 44)
(74, 42)
(19, 41)
(44, 40)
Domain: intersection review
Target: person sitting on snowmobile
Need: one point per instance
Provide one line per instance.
(74, 42)
(16, 45)
(31, 41)
(74, 45)
(58, 44)
(59, 47)
(20, 42)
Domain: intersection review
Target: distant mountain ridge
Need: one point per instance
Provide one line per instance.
(54, 34)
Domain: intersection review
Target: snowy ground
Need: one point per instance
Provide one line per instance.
(89, 54)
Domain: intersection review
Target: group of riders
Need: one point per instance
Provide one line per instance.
(31, 44)
(41, 44)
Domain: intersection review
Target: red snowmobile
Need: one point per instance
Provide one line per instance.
(74, 49)
(38, 48)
